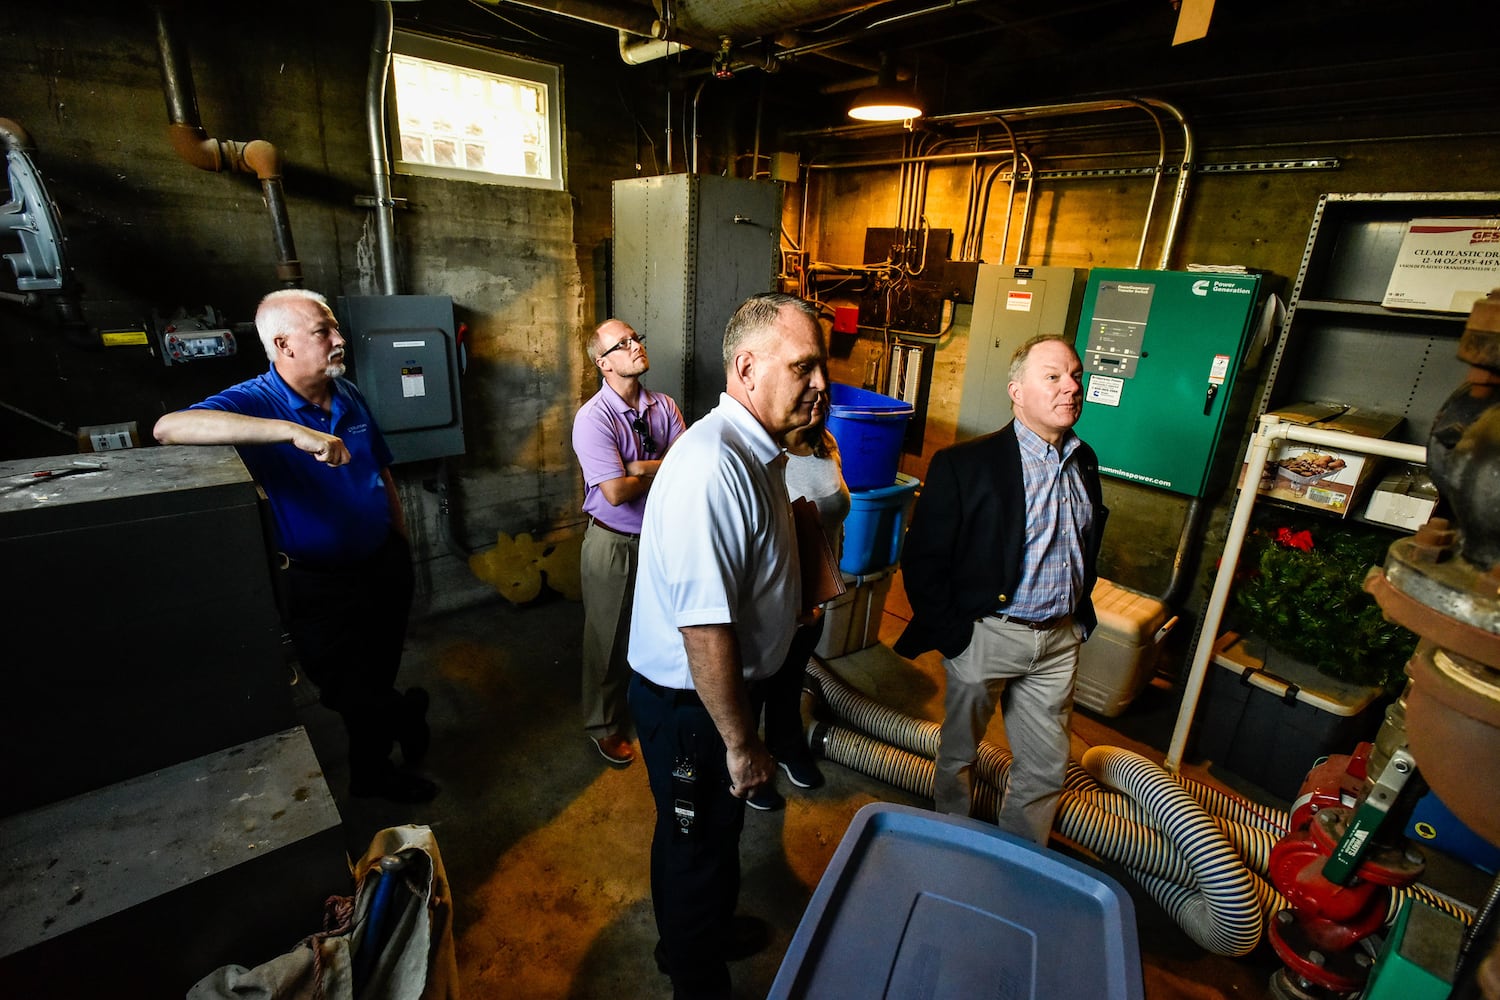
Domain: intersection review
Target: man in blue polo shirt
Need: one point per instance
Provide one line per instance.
(307, 437)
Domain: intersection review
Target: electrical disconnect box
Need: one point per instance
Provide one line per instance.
(404, 358)
(1012, 304)
(1161, 351)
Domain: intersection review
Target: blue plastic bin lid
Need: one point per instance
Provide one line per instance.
(852, 403)
(919, 904)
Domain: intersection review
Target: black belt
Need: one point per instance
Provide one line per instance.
(680, 696)
(1045, 625)
(615, 531)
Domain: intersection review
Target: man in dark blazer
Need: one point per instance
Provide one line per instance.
(999, 567)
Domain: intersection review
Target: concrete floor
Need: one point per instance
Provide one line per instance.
(546, 846)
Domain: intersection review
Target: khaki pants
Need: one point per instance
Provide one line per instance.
(1030, 674)
(607, 565)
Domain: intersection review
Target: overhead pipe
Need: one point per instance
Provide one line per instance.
(380, 168)
(634, 18)
(1150, 106)
(1184, 178)
(636, 51)
(193, 145)
(697, 95)
(627, 18)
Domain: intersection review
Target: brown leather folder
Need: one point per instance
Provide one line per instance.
(821, 579)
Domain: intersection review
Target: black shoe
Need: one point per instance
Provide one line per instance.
(397, 786)
(413, 733)
(747, 936)
(802, 773)
(766, 798)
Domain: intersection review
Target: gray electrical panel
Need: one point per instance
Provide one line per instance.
(404, 358)
(688, 249)
(1012, 304)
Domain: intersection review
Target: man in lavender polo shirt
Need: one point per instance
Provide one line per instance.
(620, 436)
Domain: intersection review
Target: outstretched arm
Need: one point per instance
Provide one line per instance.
(223, 427)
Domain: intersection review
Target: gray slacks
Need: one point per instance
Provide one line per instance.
(1030, 674)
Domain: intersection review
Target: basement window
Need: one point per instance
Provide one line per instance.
(471, 114)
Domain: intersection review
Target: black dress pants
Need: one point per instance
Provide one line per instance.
(695, 848)
(783, 696)
(348, 625)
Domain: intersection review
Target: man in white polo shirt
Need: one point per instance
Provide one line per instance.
(716, 601)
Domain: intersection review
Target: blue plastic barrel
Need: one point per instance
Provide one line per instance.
(868, 427)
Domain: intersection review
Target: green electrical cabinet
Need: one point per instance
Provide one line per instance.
(1160, 353)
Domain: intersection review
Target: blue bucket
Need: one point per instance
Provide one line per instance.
(876, 526)
(869, 428)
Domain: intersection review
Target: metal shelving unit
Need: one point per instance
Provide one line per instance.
(1338, 343)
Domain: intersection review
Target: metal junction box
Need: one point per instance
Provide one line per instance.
(688, 249)
(1161, 351)
(1012, 304)
(405, 361)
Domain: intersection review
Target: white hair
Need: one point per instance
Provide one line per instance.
(277, 310)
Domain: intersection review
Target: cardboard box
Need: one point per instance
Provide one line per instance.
(1403, 499)
(1445, 265)
(1324, 478)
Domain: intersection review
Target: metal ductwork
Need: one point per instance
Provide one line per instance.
(751, 18)
(194, 145)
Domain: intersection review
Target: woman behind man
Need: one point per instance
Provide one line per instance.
(814, 470)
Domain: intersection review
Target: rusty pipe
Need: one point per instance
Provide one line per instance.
(194, 146)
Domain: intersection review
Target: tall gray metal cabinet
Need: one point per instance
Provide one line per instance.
(688, 249)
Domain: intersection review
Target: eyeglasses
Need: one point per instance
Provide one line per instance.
(648, 443)
(634, 338)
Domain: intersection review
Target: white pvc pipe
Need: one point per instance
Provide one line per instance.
(635, 50)
(1272, 430)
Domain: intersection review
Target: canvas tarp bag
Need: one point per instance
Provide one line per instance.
(393, 940)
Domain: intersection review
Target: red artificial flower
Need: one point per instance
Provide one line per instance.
(1301, 540)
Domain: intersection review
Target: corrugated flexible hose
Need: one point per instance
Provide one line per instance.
(1202, 853)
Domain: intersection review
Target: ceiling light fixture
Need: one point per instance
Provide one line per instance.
(886, 102)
